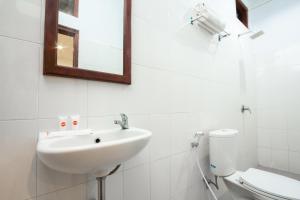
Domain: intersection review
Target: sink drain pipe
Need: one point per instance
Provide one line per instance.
(101, 183)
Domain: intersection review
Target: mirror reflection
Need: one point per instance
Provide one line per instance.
(69, 7)
(90, 35)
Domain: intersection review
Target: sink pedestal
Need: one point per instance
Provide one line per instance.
(101, 187)
(101, 183)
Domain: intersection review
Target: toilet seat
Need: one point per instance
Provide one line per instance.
(271, 185)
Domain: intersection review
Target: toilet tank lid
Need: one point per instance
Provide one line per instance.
(271, 183)
(223, 133)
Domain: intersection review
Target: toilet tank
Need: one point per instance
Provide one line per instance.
(223, 151)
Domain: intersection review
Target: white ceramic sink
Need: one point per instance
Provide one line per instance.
(77, 151)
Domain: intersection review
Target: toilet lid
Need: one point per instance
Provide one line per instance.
(271, 184)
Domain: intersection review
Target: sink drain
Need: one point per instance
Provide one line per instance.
(97, 140)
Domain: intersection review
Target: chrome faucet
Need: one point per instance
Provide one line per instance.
(124, 122)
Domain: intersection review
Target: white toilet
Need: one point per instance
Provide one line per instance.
(253, 183)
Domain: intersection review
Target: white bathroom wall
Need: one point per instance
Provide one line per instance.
(253, 4)
(183, 81)
(278, 76)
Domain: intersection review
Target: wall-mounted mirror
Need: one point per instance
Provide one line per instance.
(88, 39)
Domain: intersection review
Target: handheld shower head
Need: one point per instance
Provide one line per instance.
(254, 35)
(257, 34)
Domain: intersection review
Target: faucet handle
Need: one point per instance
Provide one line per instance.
(246, 108)
(124, 122)
(124, 117)
(198, 134)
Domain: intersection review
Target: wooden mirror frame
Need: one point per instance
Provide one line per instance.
(50, 52)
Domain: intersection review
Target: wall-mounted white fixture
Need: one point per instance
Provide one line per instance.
(91, 152)
(209, 20)
(62, 150)
(251, 184)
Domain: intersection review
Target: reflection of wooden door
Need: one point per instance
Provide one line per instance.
(69, 7)
(242, 12)
(67, 46)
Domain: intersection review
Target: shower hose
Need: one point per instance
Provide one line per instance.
(202, 174)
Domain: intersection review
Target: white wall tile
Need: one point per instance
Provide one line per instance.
(144, 9)
(49, 180)
(197, 191)
(19, 78)
(179, 93)
(185, 43)
(294, 140)
(280, 159)
(61, 96)
(264, 137)
(137, 183)
(143, 157)
(18, 159)
(21, 19)
(179, 174)
(181, 195)
(160, 179)
(92, 189)
(147, 40)
(100, 103)
(181, 133)
(128, 99)
(160, 144)
(293, 105)
(74, 193)
(105, 122)
(265, 157)
(278, 82)
(272, 119)
(114, 187)
(152, 84)
(294, 162)
(271, 88)
(280, 141)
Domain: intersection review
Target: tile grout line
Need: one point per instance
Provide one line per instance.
(150, 175)
(61, 189)
(123, 184)
(19, 39)
(38, 114)
(92, 116)
(87, 103)
(41, 56)
(175, 72)
(16, 119)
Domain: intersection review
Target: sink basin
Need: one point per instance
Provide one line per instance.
(90, 152)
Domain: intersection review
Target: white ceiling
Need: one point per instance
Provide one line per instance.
(252, 4)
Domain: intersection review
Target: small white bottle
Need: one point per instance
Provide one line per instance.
(75, 121)
(62, 123)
